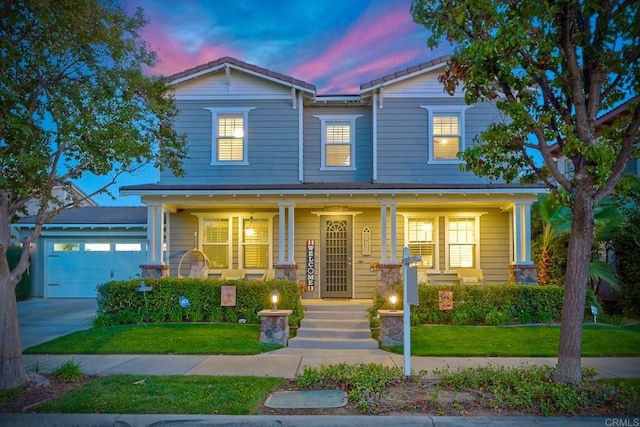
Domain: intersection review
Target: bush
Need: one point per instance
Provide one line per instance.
(23, 288)
(120, 303)
(488, 305)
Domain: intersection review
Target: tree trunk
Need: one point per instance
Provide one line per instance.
(576, 280)
(12, 372)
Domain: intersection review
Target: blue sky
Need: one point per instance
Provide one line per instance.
(334, 44)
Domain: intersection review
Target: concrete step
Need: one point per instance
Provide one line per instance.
(326, 314)
(337, 307)
(343, 325)
(328, 343)
(335, 323)
(336, 334)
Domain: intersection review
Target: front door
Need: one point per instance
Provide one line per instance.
(336, 257)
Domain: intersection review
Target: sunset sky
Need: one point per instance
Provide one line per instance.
(334, 44)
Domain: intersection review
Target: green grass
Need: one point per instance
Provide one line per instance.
(131, 394)
(160, 338)
(519, 341)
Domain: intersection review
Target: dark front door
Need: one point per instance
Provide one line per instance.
(336, 257)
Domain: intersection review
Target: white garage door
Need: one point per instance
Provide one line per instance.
(74, 268)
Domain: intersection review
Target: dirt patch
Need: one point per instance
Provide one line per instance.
(36, 392)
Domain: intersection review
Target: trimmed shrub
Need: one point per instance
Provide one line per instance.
(120, 303)
(488, 304)
(23, 288)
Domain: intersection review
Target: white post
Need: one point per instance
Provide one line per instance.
(405, 319)
(281, 240)
(291, 223)
(394, 244)
(383, 232)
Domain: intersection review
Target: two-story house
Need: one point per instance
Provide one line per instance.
(327, 190)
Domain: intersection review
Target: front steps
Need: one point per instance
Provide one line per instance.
(334, 325)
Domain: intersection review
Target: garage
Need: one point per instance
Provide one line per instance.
(73, 268)
(84, 247)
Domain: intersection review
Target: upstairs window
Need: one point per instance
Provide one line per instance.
(229, 130)
(338, 141)
(446, 133)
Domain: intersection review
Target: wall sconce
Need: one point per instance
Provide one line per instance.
(393, 299)
(249, 231)
(275, 296)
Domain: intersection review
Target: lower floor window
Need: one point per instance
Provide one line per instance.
(462, 242)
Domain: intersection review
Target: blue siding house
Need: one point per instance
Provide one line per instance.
(327, 190)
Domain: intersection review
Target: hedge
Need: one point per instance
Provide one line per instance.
(23, 288)
(487, 305)
(120, 303)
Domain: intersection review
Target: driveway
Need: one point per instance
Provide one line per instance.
(42, 320)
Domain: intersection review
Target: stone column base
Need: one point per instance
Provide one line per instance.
(274, 326)
(523, 273)
(286, 272)
(155, 270)
(388, 275)
(391, 327)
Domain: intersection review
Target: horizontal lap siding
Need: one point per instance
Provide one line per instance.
(403, 141)
(272, 140)
(313, 146)
(494, 246)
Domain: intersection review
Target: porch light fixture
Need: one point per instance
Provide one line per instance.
(275, 297)
(393, 299)
(249, 231)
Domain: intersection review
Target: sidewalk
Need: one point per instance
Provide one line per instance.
(288, 362)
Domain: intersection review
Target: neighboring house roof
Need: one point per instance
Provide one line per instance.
(221, 63)
(95, 215)
(397, 76)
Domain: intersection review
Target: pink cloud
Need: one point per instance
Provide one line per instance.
(172, 55)
(366, 37)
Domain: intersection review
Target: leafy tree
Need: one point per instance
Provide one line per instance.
(551, 67)
(74, 101)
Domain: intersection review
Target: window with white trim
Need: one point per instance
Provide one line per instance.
(236, 241)
(446, 133)
(338, 141)
(255, 243)
(462, 234)
(216, 241)
(229, 135)
(421, 240)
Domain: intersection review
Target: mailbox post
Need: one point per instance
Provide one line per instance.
(410, 291)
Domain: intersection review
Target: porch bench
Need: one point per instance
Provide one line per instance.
(470, 276)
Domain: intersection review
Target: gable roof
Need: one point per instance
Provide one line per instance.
(397, 76)
(95, 215)
(227, 61)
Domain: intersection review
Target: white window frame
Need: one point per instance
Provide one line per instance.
(476, 243)
(237, 244)
(215, 111)
(351, 118)
(241, 242)
(444, 109)
(436, 236)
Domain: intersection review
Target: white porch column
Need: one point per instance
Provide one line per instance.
(394, 244)
(290, 242)
(155, 234)
(281, 234)
(522, 233)
(383, 233)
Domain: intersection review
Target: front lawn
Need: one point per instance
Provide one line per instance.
(519, 341)
(136, 394)
(160, 338)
